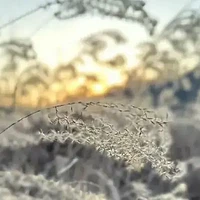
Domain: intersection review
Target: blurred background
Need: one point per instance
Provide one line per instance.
(61, 51)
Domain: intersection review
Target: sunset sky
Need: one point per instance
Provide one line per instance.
(53, 38)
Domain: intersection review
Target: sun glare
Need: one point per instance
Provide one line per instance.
(94, 76)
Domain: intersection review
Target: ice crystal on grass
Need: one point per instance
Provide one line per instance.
(124, 132)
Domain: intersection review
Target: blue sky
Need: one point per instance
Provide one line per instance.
(60, 36)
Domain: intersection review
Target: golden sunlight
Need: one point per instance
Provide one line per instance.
(92, 72)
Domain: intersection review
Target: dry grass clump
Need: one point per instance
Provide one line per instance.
(124, 132)
(16, 185)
